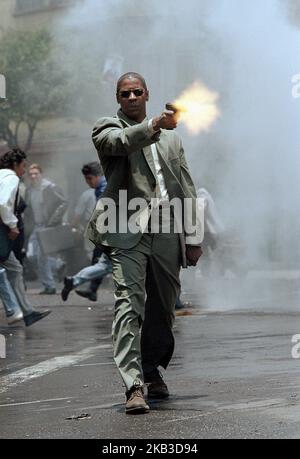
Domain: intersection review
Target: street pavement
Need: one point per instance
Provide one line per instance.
(232, 375)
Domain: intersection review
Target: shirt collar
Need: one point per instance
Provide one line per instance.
(125, 118)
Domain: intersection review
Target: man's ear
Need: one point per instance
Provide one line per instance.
(147, 95)
(117, 97)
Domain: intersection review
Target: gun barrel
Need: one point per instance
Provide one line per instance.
(171, 107)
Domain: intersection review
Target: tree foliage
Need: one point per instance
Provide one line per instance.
(36, 84)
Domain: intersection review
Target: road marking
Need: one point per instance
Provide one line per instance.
(86, 408)
(94, 364)
(243, 406)
(48, 366)
(35, 401)
(238, 406)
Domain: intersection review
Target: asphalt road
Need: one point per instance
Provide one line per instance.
(232, 375)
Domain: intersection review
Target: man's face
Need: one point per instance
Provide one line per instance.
(132, 97)
(20, 169)
(92, 180)
(35, 176)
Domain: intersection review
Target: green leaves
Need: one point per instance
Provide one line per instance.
(36, 83)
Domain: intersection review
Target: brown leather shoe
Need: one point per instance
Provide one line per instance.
(135, 401)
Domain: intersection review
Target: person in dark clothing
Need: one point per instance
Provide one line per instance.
(46, 208)
(101, 265)
(19, 243)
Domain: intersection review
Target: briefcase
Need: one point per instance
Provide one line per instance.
(56, 239)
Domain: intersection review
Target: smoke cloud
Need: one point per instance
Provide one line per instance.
(292, 8)
(248, 52)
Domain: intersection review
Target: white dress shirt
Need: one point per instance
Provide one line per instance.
(162, 191)
(9, 183)
(164, 197)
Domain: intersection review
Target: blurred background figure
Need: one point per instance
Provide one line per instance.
(11, 305)
(94, 273)
(214, 235)
(84, 209)
(19, 244)
(101, 266)
(222, 246)
(12, 167)
(46, 207)
(214, 229)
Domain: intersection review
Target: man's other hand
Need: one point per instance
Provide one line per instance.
(193, 253)
(13, 233)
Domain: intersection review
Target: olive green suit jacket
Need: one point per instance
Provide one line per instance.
(124, 149)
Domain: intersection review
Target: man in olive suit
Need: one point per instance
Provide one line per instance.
(145, 160)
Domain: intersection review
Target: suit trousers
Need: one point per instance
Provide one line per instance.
(147, 284)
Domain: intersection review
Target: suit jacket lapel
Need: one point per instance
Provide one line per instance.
(149, 158)
(173, 186)
(162, 147)
(146, 150)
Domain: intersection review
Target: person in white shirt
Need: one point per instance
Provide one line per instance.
(12, 167)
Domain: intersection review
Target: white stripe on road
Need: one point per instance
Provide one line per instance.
(48, 366)
(36, 401)
(168, 406)
(83, 409)
(94, 364)
(237, 406)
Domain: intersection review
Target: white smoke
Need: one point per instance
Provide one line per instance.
(246, 51)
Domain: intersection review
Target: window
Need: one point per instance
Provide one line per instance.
(34, 6)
